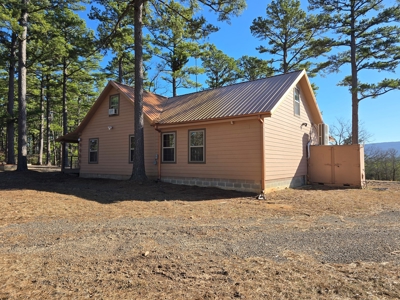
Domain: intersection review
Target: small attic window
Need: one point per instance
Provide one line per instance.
(296, 101)
(113, 107)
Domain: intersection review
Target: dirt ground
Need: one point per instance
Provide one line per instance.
(64, 237)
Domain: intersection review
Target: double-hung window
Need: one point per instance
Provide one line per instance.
(168, 147)
(113, 106)
(197, 146)
(93, 151)
(296, 101)
(131, 147)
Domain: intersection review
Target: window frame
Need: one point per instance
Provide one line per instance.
(110, 107)
(162, 147)
(97, 151)
(296, 103)
(130, 159)
(203, 146)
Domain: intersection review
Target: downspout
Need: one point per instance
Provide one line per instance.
(159, 152)
(262, 155)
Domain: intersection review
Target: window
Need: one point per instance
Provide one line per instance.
(131, 147)
(93, 151)
(296, 102)
(113, 107)
(168, 147)
(196, 145)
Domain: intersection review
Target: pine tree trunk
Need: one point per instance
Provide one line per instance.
(22, 127)
(354, 81)
(120, 70)
(41, 130)
(64, 154)
(10, 104)
(173, 85)
(138, 172)
(48, 160)
(55, 150)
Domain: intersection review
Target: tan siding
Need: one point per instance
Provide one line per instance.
(114, 143)
(232, 152)
(286, 140)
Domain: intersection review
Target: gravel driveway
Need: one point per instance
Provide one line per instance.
(63, 237)
(330, 239)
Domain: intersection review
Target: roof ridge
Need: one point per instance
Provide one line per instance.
(237, 83)
(133, 88)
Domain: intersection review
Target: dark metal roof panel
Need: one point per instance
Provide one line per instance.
(258, 96)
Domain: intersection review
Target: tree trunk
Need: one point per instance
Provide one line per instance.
(41, 131)
(138, 172)
(284, 59)
(48, 161)
(55, 150)
(64, 153)
(22, 128)
(120, 70)
(354, 80)
(173, 85)
(10, 104)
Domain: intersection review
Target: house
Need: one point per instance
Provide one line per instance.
(250, 136)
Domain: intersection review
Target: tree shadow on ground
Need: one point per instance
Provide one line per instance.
(107, 191)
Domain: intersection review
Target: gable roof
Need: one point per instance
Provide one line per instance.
(152, 107)
(258, 97)
(152, 103)
(241, 99)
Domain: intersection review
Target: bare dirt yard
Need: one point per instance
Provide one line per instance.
(64, 237)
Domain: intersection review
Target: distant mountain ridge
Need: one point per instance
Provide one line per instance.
(384, 146)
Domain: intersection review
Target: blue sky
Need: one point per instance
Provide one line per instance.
(380, 116)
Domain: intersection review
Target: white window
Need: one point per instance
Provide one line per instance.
(168, 147)
(93, 151)
(196, 146)
(296, 101)
(131, 147)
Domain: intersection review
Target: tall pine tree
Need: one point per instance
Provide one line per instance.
(176, 34)
(293, 36)
(367, 38)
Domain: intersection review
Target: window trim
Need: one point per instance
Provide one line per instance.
(162, 147)
(130, 149)
(97, 161)
(109, 104)
(295, 102)
(204, 146)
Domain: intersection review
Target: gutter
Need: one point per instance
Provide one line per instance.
(212, 121)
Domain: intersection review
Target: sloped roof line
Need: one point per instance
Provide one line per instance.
(260, 96)
(152, 112)
(152, 103)
(237, 83)
(240, 99)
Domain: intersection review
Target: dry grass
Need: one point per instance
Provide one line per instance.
(150, 270)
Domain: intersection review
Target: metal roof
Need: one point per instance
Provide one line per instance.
(241, 99)
(152, 103)
(258, 96)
